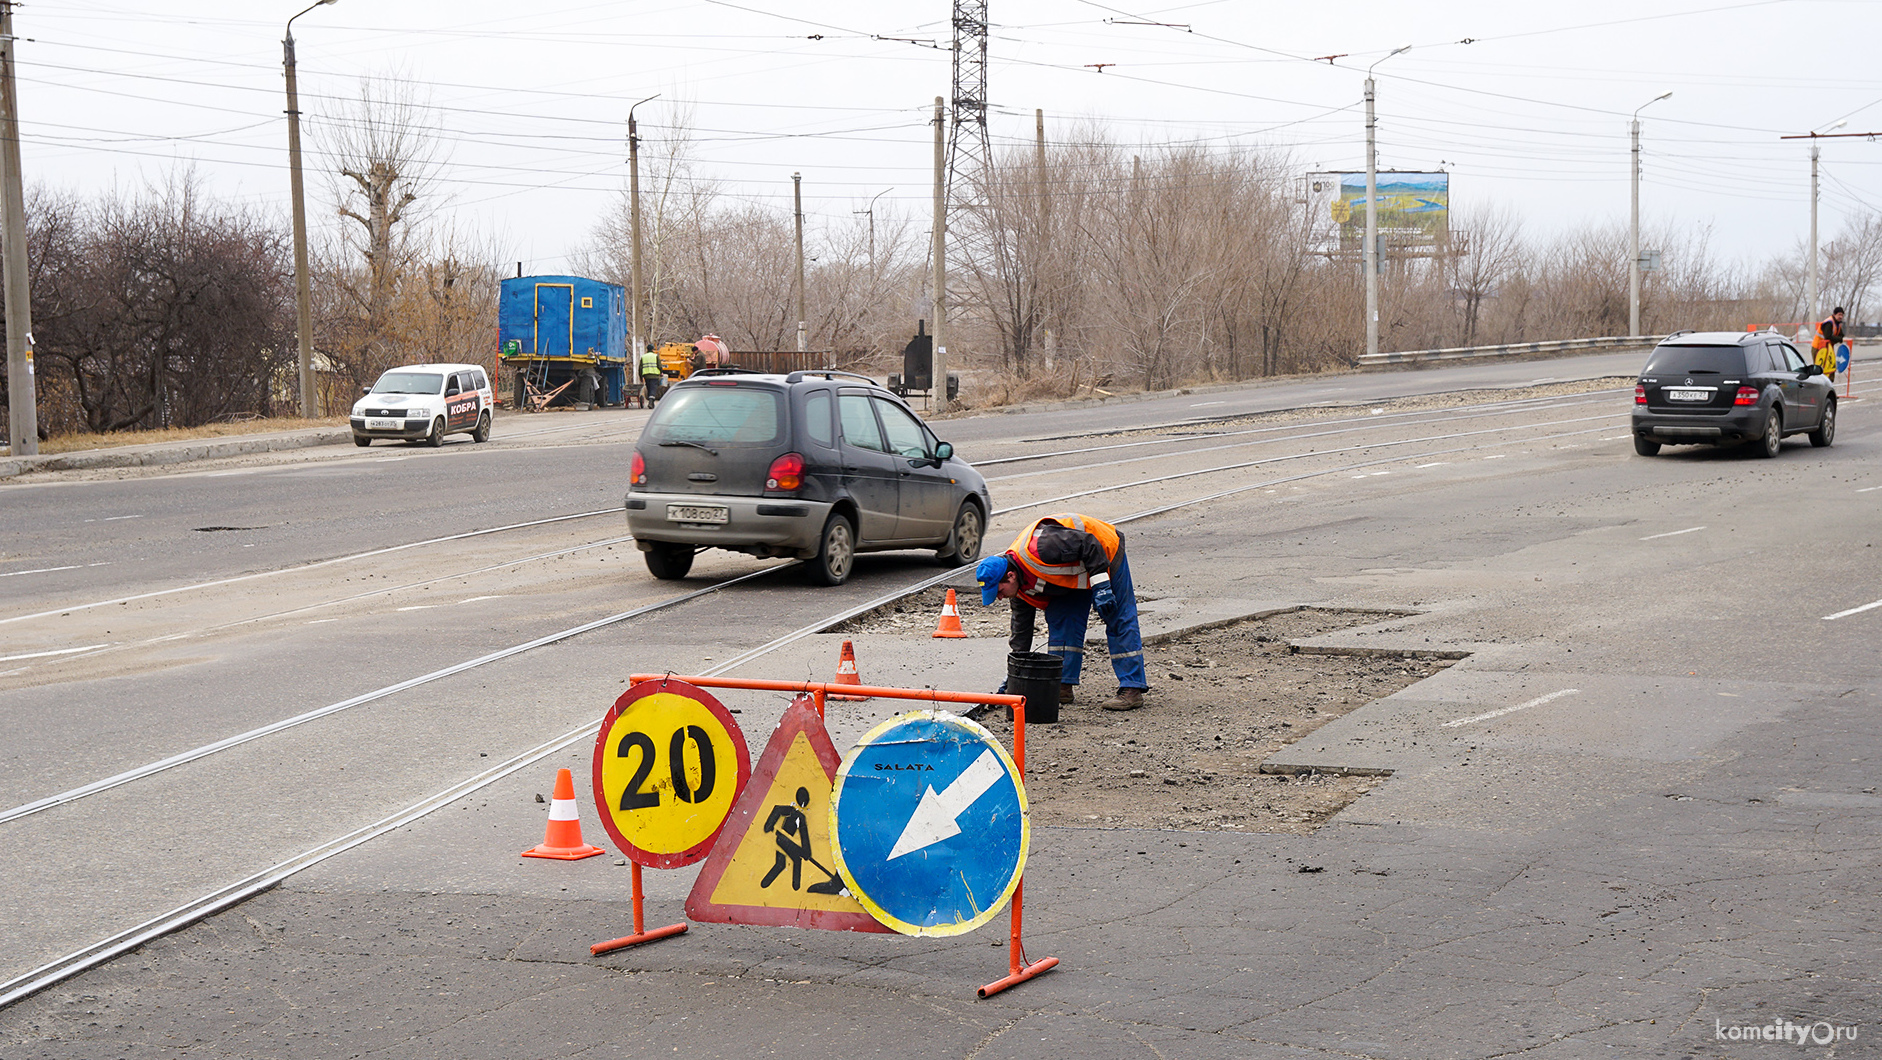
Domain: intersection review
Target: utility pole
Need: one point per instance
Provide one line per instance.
(23, 412)
(938, 370)
(633, 210)
(1043, 252)
(303, 291)
(1633, 264)
(1372, 211)
(797, 194)
(1812, 306)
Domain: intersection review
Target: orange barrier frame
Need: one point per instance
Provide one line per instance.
(1018, 968)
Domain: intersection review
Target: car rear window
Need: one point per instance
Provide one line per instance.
(1690, 360)
(719, 415)
(409, 383)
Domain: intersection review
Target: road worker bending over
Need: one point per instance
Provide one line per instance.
(1068, 566)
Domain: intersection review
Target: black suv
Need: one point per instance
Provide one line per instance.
(814, 465)
(1728, 387)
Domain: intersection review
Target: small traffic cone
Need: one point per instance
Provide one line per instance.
(846, 674)
(562, 836)
(950, 619)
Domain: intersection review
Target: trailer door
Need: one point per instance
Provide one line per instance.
(555, 319)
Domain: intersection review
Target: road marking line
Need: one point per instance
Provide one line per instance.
(1866, 489)
(1206, 404)
(309, 566)
(419, 607)
(1536, 702)
(1439, 463)
(1498, 456)
(1852, 611)
(42, 570)
(474, 599)
(1616, 437)
(61, 651)
(1673, 533)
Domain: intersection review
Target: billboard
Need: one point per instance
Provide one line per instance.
(1414, 209)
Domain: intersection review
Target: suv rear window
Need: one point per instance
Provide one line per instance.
(1691, 360)
(716, 415)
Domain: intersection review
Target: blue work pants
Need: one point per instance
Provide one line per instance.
(1067, 616)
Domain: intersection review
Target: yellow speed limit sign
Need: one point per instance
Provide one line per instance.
(669, 763)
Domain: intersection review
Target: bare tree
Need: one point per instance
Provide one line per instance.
(162, 309)
(381, 150)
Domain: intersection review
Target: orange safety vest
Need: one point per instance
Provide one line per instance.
(1069, 575)
(1818, 342)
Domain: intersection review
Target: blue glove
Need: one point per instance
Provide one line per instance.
(1000, 691)
(1104, 601)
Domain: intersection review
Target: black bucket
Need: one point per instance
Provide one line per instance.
(1035, 675)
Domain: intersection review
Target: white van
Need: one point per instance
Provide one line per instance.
(425, 401)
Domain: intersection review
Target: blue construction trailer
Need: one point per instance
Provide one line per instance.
(566, 336)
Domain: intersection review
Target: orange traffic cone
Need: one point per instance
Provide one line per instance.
(846, 674)
(950, 619)
(562, 837)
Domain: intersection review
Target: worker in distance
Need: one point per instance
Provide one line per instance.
(1069, 565)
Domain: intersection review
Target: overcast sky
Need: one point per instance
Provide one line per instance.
(1525, 104)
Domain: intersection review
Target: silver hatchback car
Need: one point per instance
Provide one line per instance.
(815, 466)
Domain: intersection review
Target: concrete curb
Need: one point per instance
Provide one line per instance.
(164, 453)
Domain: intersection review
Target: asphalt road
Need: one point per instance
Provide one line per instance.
(1641, 813)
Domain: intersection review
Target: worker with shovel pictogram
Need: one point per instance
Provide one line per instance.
(788, 825)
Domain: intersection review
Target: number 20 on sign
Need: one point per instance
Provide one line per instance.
(670, 761)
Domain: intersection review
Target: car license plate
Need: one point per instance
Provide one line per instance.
(1688, 395)
(385, 425)
(697, 513)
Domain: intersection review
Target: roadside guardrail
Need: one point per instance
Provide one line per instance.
(1512, 349)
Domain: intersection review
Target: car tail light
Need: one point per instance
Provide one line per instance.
(1746, 396)
(1640, 395)
(786, 473)
(637, 471)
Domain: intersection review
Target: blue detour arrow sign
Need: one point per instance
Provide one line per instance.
(928, 824)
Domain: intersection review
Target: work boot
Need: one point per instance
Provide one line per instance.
(1126, 699)
(1065, 693)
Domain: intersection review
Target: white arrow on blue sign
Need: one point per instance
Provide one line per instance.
(929, 824)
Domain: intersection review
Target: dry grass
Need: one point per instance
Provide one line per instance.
(78, 443)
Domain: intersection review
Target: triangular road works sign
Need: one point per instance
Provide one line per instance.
(773, 863)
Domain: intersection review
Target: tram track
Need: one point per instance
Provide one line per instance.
(232, 894)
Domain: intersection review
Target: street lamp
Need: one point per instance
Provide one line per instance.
(1372, 212)
(871, 211)
(1633, 263)
(633, 193)
(303, 296)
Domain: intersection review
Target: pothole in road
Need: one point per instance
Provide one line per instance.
(1222, 700)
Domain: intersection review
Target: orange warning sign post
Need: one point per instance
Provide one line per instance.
(773, 862)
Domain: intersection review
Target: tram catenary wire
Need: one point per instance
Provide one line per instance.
(104, 950)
